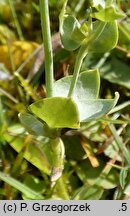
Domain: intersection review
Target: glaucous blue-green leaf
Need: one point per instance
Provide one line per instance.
(87, 86)
(71, 34)
(85, 95)
(93, 109)
(36, 127)
(57, 112)
(108, 14)
(32, 124)
(106, 39)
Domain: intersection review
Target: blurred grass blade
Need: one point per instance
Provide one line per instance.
(123, 175)
(2, 91)
(27, 87)
(19, 31)
(89, 193)
(119, 143)
(120, 107)
(20, 186)
(113, 121)
(1, 114)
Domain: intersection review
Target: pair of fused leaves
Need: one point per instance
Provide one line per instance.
(101, 35)
(61, 111)
(108, 14)
(106, 11)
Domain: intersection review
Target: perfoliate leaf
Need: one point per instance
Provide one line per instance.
(108, 14)
(32, 124)
(36, 127)
(57, 112)
(71, 34)
(93, 109)
(85, 95)
(87, 86)
(106, 39)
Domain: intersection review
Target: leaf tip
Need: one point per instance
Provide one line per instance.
(116, 97)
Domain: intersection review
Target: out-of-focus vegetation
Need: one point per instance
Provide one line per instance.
(97, 163)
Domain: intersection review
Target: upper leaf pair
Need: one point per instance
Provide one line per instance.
(108, 14)
(86, 95)
(99, 36)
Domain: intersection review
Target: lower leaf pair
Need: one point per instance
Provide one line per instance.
(50, 115)
(61, 111)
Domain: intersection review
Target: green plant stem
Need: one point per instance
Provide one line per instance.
(19, 31)
(45, 23)
(57, 149)
(81, 55)
(79, 59)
